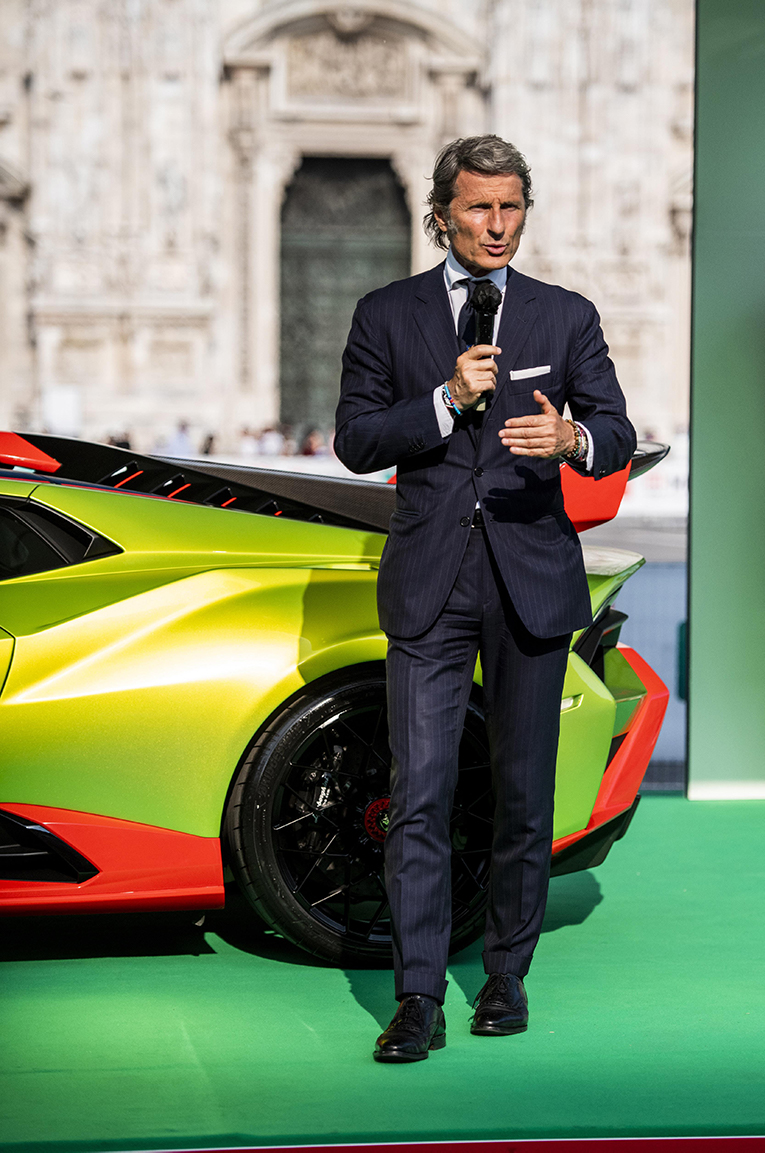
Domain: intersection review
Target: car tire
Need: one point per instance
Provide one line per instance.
(305, 823)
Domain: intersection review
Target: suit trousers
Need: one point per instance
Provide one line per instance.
(429, 684)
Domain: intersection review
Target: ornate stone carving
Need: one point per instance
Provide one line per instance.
(349, 21)
(367, 67)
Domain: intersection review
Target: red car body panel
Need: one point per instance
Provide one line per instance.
(141, 867)
(624, 774)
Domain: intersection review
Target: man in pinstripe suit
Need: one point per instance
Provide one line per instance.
(481, 558)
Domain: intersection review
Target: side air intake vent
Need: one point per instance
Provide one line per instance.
(30, 852)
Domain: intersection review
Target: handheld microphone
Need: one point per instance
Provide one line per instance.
(486, 300)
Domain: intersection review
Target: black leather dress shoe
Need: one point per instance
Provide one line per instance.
(501, 1007)
(417, 1027)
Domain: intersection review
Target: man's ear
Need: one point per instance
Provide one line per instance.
(441, 220)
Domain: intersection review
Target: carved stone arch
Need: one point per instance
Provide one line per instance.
(378, 78)
(244, 44)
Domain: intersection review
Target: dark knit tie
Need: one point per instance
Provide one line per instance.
(466, 330)
(466, 318)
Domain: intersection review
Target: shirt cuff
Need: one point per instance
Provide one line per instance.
(590, 458)
(443, 416)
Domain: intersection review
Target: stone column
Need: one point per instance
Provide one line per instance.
(242, 135)
(263, 168)
(275, 169)
(17, 399)
(410, 166)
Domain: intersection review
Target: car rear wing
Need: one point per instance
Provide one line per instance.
(342, 501)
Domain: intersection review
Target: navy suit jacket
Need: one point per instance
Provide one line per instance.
(402, 344)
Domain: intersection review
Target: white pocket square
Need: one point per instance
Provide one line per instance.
(523, 373)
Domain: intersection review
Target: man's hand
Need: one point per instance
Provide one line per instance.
(546, 435)
(474, 374)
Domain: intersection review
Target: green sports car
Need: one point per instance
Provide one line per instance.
(192, 681)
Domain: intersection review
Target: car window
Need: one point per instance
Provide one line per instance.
(35, 539)
(22, 551)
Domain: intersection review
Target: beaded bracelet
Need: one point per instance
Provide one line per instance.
(581, 445)
(449, 401)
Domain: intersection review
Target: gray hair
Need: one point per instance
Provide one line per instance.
(486, 155)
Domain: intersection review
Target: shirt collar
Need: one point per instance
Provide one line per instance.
(453, 271)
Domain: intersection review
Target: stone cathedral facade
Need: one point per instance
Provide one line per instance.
(193, 193)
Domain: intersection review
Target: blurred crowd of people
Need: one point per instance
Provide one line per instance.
(274, 440)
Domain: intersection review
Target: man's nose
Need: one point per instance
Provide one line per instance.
(496, 224)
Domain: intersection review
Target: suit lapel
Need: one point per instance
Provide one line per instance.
(433, 317)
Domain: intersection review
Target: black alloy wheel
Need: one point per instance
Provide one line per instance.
(307, 816)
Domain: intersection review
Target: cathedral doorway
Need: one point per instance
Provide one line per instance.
(345, 229)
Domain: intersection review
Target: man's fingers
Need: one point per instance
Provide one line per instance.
(527, 432)
(533, 446)
(526, 422)
(535, 440)
(543, 402)
(535, 435)
(481, 351)
(525, 435)
(532, 439)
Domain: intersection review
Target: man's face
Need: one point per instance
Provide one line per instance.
(485, 221)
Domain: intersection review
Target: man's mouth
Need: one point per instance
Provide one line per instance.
(495, 249)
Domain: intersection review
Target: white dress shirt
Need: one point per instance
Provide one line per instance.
(457, 293)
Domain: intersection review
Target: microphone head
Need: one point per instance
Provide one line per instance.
(486, 297)
(485, 300)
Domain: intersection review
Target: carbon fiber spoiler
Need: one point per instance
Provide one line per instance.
(342, 501)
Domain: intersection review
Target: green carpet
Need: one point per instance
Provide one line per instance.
(145, 1032)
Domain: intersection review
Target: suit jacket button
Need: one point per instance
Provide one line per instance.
(478, 471)
(465, 521)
